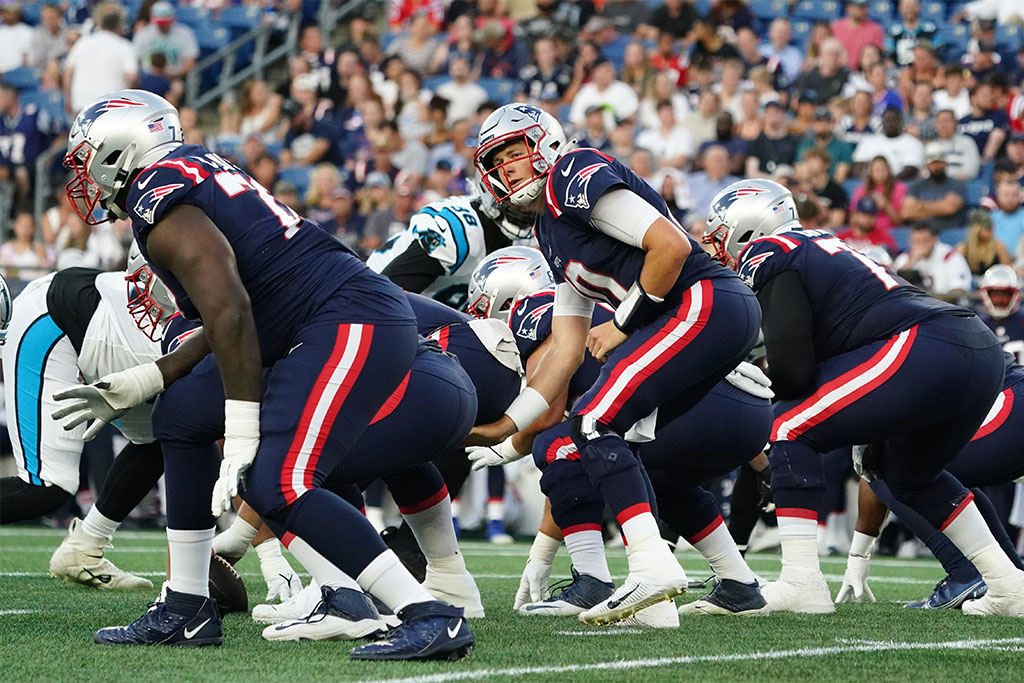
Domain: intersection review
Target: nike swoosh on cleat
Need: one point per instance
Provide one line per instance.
(612, 604)
(102, 578)
(452, 632)
(531, 608)
(568, 168)
(189, 633)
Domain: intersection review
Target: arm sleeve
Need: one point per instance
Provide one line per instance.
(787, 324)
(624, 215)
(414, 269)
(569, 302)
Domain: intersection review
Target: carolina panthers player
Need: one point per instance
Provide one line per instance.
(273, 291)
(727, 428)
(1000, 290)
(682, 322)
(852, 351)
(445, 241)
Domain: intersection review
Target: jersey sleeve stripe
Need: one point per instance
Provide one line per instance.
(787, 245)
(186, 168)
(549, 194)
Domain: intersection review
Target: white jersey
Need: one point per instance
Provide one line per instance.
(449, 231)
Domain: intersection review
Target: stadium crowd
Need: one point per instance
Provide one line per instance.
(896, 123)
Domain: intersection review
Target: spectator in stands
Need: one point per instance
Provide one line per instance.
(725, 135)
(856, 30)
(925, 67)
(887, 192)
(986, 125)
(637, 71)
(933, 265)
(604, 91)
(812, 172)
(174, 40)
(25, 133)
(625, 15)
(464, 95)
(670, 143)
(821, 136)
(188, 117)
(323, 181)
(259, 110)
(749, 46)
(265, 169)
(320, 61)
(981, 249)
(662, 88)
(820, 32)
(671, 184)
(953, 95)
(441, 132)
(587, 55)
(599, 31)
(345, 222)
(963, 160)
(418, 49)
(906, 31)
(156, 79)
(919, 117)
(622, 140)
(983, 59)
(100, 62)
(666, 59)
(311, 132)
(728, 87)
(700, 78)
(1008, 216)
(778, 47)
(405, 155)
(594, 131)
(503, 55)
(859, 123)
(15, 38)
(705, 184)
(288, 194)
(732, 14)
(709, 44)
(703, 122)
(49, 38)
(676, 17)
(389, 220)
(642, 162)
(774, 146)
(544, 76)
(863, 231)
(88, 246)
(937, 201)
(750, 125)
(858, 80)
(826, 79)
(24, 256)
(904, 152)
(882, 95)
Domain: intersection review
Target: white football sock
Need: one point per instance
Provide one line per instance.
(324, 572)
(720, 551)
(432, 527)
(190, 552)
(235, 541)
(798, 534)
(967, 529)
(496, 509)
(95, 524)
(391, 583)
(586, 548)
(648, 555)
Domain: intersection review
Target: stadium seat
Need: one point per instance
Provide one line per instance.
(975, 192)
(702, 7)
(901, 235)
(500, 90)
(934, 11)
(196, 17)
(50, 101)
(769, 9)
(297, 176)
(881, 11)
(212, 38)
(801, 29)
(31, 12)
(953, 236)
(953, 34)
(240, 19)
(22, 78)
(851, 184)
(1009, 36)
(817, 10)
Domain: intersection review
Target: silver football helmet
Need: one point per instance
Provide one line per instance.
(513, 222)
(1000, 291)
(150, 303)
(6, 309)
(503, 277)
(545, 143)
(745, 211)
(111, 138)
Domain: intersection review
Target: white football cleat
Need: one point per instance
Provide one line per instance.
(457, 588)
(662, 615)
(799, 590)
(635, 594)
(79, 559)
(342, 614)
(1001, 603)
(297, 607)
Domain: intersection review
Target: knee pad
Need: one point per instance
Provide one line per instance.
(574, 500)
(796, 466)
(602, 450)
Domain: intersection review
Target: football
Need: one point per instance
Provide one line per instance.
(227, 587)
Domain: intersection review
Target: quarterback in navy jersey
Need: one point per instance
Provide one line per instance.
(273, 291)
(852, 351)
(1000, 290)
(681, 323)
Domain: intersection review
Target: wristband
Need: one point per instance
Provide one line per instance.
(528, 406)
(637, 309)
(544, 548)
(508, 452)
(241, 419)
(861, 545)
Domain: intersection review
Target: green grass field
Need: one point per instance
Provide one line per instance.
(47, 632)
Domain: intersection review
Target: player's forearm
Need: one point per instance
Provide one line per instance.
(554, 371)
(180, 362)
(232, 334)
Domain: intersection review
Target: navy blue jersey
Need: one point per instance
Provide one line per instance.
(432, 315)
(854, 300)
(1009, 331)
(530, 322)
(289, 266)
(26, 135)
(178, 329)
(598, 266)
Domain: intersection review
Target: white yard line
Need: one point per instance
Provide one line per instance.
(8, 612)
(602, 632)
(629, 664)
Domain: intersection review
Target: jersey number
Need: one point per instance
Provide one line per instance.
(833, 246)
(234, 183)
(594, 285)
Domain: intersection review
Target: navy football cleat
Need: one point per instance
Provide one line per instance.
(429, 630)
(182, 619)
(730, 597)
(572, 598)
(950, 595)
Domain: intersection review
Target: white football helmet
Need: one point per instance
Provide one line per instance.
(112, 138)
(513, 222)
(503, 277)
(545, 143)
(6, 309)
(150, 303)
(1000, 291)
(745, 211)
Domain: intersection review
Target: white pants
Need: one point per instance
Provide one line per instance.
(38, 361)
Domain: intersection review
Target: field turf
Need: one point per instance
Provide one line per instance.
(47, 631)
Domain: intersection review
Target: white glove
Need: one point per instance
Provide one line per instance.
(491, 456)
(109, 397)
(233, 543)
(855, 581)
(749, 378)
(282, 581)
(533, 587)
(241, 441)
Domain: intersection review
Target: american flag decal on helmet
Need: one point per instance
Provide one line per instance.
(146, 206)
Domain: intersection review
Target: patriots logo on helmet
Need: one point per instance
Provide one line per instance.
(530, 323)
(89, 116)
(492, 265)
(527, 110)
(146, 206)
(576, 191)
(726, 200)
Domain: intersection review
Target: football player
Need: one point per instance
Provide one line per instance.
(1000, 290)
(852, 351)
(273, 291)
(682, 322)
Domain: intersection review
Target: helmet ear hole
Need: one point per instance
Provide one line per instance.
(745, 237)
(112, 158)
